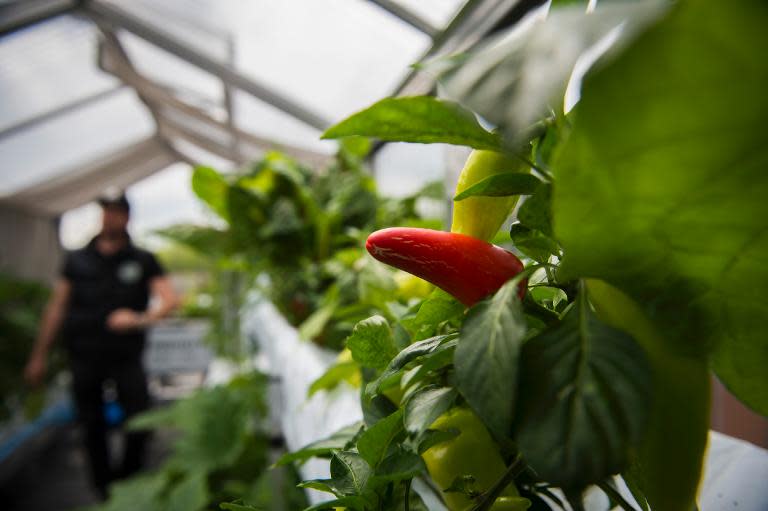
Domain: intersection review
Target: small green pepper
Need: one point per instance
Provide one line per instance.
(472, 453)
(482, 217)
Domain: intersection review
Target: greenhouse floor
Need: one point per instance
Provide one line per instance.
(57, 479)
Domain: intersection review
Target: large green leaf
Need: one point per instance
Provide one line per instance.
(585, 393)
(190, 494)
(212, 188)
(214, 423)
(412, 352)
(438, 309)
(668, 463)
(374, 442)
(662, 185)
(425, 406)
(207, 241)
(486, 357)
(141, 492)
(337, 441)
(351, 471)
(372, 343)
(521, 74)
(420, 119)
(246, 216)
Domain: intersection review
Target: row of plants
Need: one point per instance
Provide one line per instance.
(580, 358)
(21, 305)
(296, 234)
(221, 454)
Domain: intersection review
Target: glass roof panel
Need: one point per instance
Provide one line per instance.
(188, 81)
(261, 119)
(47, 65)
(76, 138)
(437, 12)
(332, 56)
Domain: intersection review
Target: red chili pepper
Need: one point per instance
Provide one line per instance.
(465, 267)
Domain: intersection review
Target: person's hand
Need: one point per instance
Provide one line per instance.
(123, 320)
(34, 372)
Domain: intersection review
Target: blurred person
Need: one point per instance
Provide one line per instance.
(101, 305)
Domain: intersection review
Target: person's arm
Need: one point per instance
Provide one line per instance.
(164, 301)
(49, 328)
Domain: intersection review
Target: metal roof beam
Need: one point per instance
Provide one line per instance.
(59, 111)
(83, 183)
(163, 102)
(111, 14)
(407, 16)
(472, 24)
(23, 13)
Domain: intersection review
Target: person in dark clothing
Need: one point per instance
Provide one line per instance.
(101, 306)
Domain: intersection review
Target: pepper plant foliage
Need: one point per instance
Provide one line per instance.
(302, 229)
(644, 231)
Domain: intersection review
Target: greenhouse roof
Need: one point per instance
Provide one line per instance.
(110, 91)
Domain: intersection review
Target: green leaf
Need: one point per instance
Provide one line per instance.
(533, 243)
(428, 363)
(211, 188)
(234, 506)
(501, 185)
(424, 407)
(351, 471)
(337, 373)
(636, 492)
(315, 323)
(587, 394)
(324, 485)
(432, 437)
(376, 408)
(336, 442)
(668, 463)
(351, 502)
(374, 442)
(662, 185)
(486, 357)
(420, 119)
(207, 241)
(398, 466)
(521, 75)
(411, 353)
(246, 215)
(190, 494)
(372, 343)
(549, 297)
(439, 308)
(357, 147)
(536, 211)
(213, 423)
(140, 492)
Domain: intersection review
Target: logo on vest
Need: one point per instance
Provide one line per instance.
(129, 272)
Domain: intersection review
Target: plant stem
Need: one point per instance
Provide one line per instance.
(489, 497)
(539, 170)
(615, 496)
(550, 275)
(407, 503)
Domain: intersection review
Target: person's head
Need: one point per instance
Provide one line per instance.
(115, 215)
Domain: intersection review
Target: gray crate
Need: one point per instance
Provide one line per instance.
(178, 346)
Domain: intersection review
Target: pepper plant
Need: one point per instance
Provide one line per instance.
(300, 231)
(642, 227)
